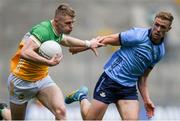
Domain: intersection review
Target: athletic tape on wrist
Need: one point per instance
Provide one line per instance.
(87, 43)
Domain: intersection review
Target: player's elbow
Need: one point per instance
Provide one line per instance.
(22, 54)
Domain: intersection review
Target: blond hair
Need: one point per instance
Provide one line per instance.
(165, 16)
(64, 9)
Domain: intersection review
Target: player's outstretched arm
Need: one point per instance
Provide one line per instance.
(75, 42)
(112, 39)
(77, 45)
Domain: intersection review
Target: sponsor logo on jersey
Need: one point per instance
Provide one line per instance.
(103, 94)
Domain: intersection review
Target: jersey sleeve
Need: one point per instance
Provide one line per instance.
(40, 33)
(129, 38)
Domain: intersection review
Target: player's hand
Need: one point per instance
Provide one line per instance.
(96, 42)
(55, 60)
(95, 51)
(100, 39)
(150, 108)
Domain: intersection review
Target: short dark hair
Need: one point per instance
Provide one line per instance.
(165, 16)
(64, 9)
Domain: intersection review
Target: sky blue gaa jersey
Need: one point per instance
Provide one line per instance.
(136, 54)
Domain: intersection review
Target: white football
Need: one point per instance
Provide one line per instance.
(50, 48)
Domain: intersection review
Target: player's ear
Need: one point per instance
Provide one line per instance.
(169, 28)
(55, 20)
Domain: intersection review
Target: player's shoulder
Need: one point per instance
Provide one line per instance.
(139, 30)
(46, 23)
(141, 33)
(42, 30)
(42, 26)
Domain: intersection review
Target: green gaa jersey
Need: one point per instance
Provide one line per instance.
(44, 32)
(29, 70)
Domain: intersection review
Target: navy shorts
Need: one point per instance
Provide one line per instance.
(109, 91)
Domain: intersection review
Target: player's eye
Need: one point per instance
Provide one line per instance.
(163, 27)
(69, 23)
(157, 25)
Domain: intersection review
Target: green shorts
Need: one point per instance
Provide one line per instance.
(22, 91)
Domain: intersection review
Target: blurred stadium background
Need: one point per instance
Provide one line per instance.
(96, 17)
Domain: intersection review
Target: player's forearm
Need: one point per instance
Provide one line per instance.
(29, 52)
(75, 50)
(73, 42)
(33, 56)
(111, 40)
(142, 85)
(143, 89)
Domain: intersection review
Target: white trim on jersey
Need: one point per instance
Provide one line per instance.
(35, 40)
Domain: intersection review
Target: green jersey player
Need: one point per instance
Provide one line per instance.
(29, 71)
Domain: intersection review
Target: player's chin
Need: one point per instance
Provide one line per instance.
(156, 38)
(68, 32)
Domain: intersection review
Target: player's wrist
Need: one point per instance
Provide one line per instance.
(87, 43)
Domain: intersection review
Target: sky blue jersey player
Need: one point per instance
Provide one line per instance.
(137, 54)
(141, 49)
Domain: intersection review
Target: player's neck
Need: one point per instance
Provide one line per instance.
(55, 29)
(156, 41)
